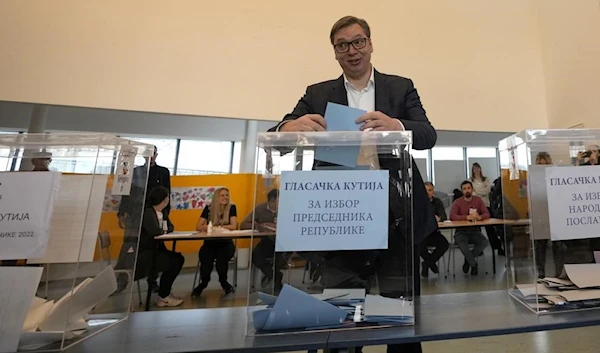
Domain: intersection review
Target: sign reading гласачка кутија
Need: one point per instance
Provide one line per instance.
(333, 210)
(26, 205)
(573, 202)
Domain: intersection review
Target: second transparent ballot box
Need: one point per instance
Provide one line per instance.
(70, 210)
(333, 232)
(551, 207)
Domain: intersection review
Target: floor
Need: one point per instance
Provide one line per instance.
(573, 341)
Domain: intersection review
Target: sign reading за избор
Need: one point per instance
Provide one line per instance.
(573, 202)
(26, 205)
(333, 210)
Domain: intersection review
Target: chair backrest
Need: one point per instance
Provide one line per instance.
(104, 239)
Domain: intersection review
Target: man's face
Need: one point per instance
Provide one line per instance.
(40, 163)
(467, 190)
(430, 191)
(273, 204)
(354, 62)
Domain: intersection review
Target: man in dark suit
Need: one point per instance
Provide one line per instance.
(392, 104)
(131, 208)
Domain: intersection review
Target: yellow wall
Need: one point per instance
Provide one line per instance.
(241, 188)
(476, 63)
(571, 56)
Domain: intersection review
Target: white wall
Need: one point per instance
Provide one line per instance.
(475, 63)
(570, 37)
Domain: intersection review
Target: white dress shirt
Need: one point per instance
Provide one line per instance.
(361, 99)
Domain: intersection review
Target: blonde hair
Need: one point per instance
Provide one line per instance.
(216, 216)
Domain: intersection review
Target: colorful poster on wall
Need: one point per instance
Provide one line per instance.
(192, 198)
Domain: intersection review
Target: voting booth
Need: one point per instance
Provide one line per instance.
(59, 283)
(333, 232)
(551, 211)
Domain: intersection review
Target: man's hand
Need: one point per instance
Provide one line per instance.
(307, 123)
(267, 225)
(437, 218)
(378, 121)
(472, 217)
(122, 220)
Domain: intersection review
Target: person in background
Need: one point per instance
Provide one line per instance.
(482, 186)
(469, 208)
(589, 157)
(155, 222)
(541, 245)
(41, 161)
(130, 207)
(264, 219)
(436, 239)
(223, 214)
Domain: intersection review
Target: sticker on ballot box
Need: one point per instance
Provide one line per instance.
(333, 210)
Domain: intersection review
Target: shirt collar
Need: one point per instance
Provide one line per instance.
(370, 84)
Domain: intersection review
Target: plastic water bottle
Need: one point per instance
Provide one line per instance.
(209, 229)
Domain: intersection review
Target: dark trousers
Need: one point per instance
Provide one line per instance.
(218, 251)
(168, 262)
(269, 262)
(386, 274)
(437, 241)
(493, 236)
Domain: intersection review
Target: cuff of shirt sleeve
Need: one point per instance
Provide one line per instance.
(281, 124)
(401, 125)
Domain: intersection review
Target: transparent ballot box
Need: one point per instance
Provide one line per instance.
(70, 216)
(333, 233)
(551, 205)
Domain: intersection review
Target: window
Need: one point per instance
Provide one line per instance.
(422, 161)
(448, 168)
(237, 157)
(487, 159)
(167, 151)
(204, 157)
(84, 160)
(280, 163)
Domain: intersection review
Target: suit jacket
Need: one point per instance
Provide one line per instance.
(396, 97)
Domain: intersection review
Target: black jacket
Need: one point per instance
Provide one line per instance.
(396, 97)
(151, 228)
(132, 204)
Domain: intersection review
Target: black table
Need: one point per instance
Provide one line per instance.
(439, 317)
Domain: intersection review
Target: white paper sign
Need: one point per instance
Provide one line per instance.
(124, 171)
(333, 210)
(26, 205)
(573, 202)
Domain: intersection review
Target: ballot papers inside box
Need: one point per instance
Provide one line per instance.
(331, 217)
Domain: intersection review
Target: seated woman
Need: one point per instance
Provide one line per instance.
(222, 214)
(156, 222)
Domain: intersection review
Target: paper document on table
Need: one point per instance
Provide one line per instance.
(388, 310)
(76, 219)
(529, 291)
(37, 312)
(583, 275)
(19, 285)
(340, 118)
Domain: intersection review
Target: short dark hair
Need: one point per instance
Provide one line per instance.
(155, 149)
(273, 195)
(348, 21)
(428, 183)
(157, 195)
(465, 183)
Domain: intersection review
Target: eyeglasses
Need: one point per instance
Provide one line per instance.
(343, 47)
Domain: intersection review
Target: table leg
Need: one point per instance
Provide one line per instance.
(235, 264)
(151, 274)
(174, 245)
(494, 261)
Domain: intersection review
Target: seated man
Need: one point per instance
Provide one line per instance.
(434, 240)
(265, 219)
(470, 208)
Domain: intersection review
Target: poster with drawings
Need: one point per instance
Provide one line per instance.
(191, 198)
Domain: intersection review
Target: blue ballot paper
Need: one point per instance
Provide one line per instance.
(340, 118)
(295, 309)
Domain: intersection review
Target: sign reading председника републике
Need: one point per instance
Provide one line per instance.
(333, 210)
